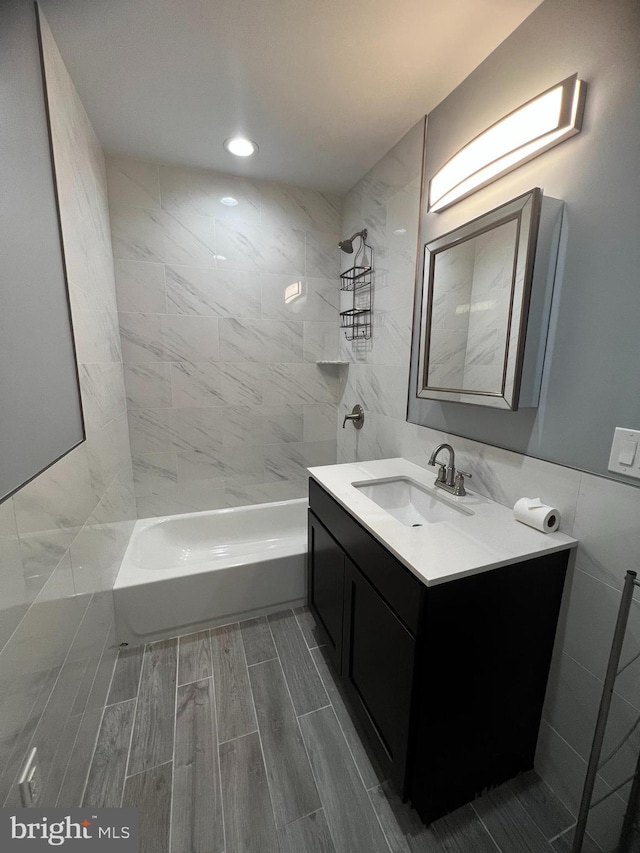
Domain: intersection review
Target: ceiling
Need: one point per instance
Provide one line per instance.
(325, 87)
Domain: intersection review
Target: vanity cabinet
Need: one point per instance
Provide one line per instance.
(378, 655)
(326, 582)
(447, 682)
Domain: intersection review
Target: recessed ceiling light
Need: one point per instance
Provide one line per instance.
(240, 146)
(229, 200)
(400, 231)
(220, 257)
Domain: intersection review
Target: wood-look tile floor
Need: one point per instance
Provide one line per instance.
(238, 740)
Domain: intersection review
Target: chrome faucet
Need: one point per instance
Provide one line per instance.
(448, 478)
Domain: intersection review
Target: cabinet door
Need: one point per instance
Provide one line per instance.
(377, 668)
(326, 586)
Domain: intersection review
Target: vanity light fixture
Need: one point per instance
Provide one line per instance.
(240, 146)
(536, 126)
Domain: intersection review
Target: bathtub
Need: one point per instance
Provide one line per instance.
(186, 572)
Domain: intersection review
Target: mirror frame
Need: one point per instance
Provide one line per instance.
(525, 211)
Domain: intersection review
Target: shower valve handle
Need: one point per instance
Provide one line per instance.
(356, 417)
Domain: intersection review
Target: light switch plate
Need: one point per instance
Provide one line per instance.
(622, 451)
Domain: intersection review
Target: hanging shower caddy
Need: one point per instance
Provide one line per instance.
(358, 280)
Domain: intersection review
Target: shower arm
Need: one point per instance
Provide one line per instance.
(347, 245)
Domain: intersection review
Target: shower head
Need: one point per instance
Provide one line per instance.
(347, 245)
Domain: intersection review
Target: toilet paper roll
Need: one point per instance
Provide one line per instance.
(533, 512)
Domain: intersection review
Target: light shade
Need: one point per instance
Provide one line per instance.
(240, 146)
(541, 123)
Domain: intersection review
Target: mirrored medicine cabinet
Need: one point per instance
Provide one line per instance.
(483, 310)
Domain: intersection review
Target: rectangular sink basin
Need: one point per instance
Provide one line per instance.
(409, 502)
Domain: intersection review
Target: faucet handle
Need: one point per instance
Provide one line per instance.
(459, 489)
(442, 473)
(356, 417)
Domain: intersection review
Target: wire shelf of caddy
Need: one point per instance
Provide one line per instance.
(357, 280)
(356, 323)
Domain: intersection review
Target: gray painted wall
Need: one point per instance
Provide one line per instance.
(589, 382)
(40, 414)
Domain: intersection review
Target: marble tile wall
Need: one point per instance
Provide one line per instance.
(488, 309)
(453, 285)
(602, 514)
(225, 309)
(62, 536)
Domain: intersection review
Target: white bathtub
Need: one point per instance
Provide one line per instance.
(182, 573)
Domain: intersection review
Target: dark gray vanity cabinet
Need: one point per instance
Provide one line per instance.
(378, 655)
(368, 645)
(326, 582)
(367, 607)
(447, 682)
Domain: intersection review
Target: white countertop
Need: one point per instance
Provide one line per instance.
(446, 550)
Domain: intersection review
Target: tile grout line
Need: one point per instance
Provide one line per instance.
(217, 743)
(341, 728)
(146, 770)
(375, 811)
(53, 687)
(302, 817)
(255, 711)
(93, 681)
(121, 702)
(299, 624)
(523, 803)
(583, 761)
(355, 763)
(304, 744)
(238, 737)
(601, 680)
(566, 831)
(563, 832)
(258, 662)
(5, 644)
(173, 750)
(306, 713)
(486, 828)
(317, 645)
(133, 724)
(104, 711)
(71, 750)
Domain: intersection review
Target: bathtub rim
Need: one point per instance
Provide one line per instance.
(146, 576)
(145, 523)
